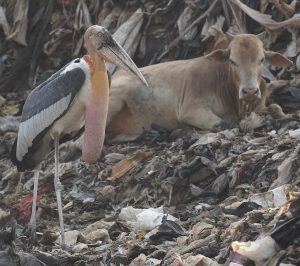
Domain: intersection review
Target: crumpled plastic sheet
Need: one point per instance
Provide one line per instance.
(144, 219)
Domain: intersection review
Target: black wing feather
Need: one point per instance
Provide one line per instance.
(51, 92)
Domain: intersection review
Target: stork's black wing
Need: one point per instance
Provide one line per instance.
(44, 105)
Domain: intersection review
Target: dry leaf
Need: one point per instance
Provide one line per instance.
(286, 9)
(3, 21)
(2, 100)
(124, 166)
(111, 18)
(286, 168)
(128, 35)
(294, 47)
(57, 37)
(19, 30)
(212, 27)
(83, 17)
(185, 19)
(266, 20)
(238, 26)
(263, 5)
(10, 109)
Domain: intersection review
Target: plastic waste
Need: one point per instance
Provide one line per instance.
(144, 219)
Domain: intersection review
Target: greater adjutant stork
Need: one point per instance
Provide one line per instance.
(74, 97)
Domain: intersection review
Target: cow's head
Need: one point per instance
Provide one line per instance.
(246, 57)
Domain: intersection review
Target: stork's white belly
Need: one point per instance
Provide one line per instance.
(73, 119)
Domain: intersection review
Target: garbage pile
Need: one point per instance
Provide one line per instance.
(168, 197)
(212, 198)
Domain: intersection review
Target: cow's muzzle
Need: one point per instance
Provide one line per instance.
(250, 94)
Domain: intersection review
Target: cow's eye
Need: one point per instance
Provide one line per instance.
(262, 60)
(233, 63)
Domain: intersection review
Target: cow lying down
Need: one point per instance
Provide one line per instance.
(205, 92)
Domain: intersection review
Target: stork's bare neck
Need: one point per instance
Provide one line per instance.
(96, 110)
(101, 47)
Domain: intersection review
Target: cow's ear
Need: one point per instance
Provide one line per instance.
(219, 55)
(277, 59)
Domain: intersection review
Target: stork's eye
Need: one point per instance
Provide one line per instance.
(233, 63)
(99, 47)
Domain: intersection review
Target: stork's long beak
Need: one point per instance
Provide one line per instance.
(99, 42)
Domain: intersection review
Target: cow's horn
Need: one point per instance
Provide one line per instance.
(262, 36)
(229, 36)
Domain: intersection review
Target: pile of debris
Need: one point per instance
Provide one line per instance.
(166, 200)
(169, 197)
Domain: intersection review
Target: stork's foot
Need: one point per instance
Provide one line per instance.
(82, 168)
(31, 233)
(20, 184)
(66, 247)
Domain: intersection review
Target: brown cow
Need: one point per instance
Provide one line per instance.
(204, 92)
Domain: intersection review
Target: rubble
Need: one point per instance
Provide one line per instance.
(166, 197)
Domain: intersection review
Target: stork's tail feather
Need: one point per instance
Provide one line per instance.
(37, 152)
(14, 159)
(31, 159)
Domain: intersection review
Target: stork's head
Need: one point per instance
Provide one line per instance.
(101, 45)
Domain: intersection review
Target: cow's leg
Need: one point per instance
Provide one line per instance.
(202, 119)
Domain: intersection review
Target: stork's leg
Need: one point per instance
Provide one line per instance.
(20, 185)
(32, 222)
(58, 187)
